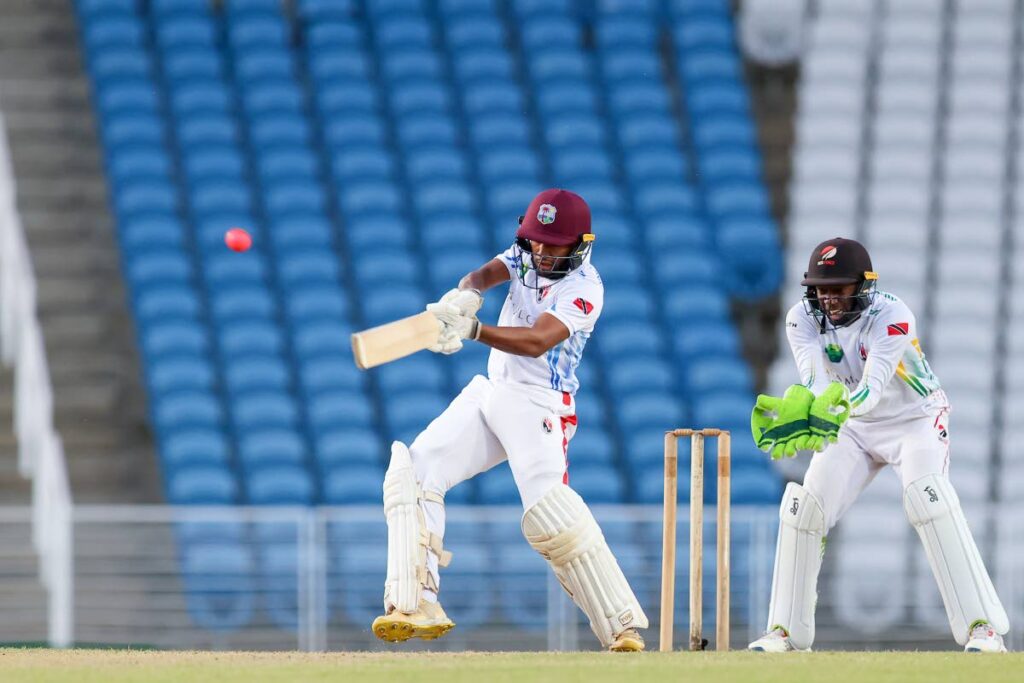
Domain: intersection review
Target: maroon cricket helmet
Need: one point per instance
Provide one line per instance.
(557, 217)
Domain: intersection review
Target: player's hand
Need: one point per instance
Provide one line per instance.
(448, 340)
(781, 425)
(468, 301)
(828, 412)
(465, 326)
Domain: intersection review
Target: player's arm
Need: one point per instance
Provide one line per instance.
(890, 339)
(802, 335)
(491, 274)
(534, 341)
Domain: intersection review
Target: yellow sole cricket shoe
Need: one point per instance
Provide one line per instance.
(428, 622)
(627, 641)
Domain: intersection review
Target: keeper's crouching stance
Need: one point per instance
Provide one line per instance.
(523, 411)
(846, 334)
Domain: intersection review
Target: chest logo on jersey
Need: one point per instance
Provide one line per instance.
(834, 352)
(898, 328)
(863, 352)
(547, 425)
(546, 214)
(583, 305)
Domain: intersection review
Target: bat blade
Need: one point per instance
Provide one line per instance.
(394, 340)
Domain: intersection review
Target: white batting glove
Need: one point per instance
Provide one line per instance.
(468, 301)
(448, 341)
(465, 326)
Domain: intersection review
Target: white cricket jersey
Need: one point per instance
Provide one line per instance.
(576, 300)
(878, 357)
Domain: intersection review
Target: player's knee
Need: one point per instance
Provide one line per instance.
(802, 510)
(536, 485)
(929, 498)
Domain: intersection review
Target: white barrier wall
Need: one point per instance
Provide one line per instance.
(312, 579)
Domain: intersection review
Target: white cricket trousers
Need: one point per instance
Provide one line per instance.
(487, 423)
(915, 445)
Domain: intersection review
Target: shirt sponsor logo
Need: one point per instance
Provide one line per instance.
(863, 352)
(583, 305)
(898, 328)
(834, 352)
(546, 214)
(827, 256)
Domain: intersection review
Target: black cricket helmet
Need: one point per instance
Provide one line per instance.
(839, 261)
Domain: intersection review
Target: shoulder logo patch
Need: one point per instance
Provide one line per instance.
(583, 305)
(898, 328)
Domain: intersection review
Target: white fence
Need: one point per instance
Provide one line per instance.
(312, 579)
(40, 453)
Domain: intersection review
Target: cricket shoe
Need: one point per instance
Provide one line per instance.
(776, 640)
(627, 641)
(427, 623)
(984, 639)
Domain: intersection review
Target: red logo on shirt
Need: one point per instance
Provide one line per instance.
(898, 328)
(583, 305)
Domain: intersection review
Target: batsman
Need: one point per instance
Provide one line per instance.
(522, 411)
(868, 399)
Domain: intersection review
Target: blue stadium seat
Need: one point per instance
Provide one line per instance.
(597, 483)
(650, 409)
(250, 337)
(195, 447)
(353, 485)
(410, 374)
(295, 231)
(628, 376)
(241, 303)
(186, 409)
(344, 446)
(591, 444)
(724, 374)
(264, 409)
(279, 485)
(413, 410)
(320, 338)
(180, 373)
(329, 372)
(308, 267)
(174, 337)
(270, 447)
(256, 374)
(167, 303)
(334, 409)
(317, 302)
(201, 485)
(496, 487)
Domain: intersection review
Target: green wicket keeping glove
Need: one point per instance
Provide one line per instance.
(828, 413)
(780, 425)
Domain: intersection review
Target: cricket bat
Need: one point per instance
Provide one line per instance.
(398, 339)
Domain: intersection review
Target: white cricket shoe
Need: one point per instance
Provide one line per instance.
(984, 639)
(776, 640)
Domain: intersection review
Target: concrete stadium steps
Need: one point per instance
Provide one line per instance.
(23, 600)
(62, 197)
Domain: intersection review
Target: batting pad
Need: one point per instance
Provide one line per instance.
(933, 508)
(561, 528)
(408, 538)
(798, 555)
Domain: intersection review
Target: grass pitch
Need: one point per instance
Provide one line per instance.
(121, 666)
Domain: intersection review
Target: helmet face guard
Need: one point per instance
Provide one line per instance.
(563, 265)
(858, 302)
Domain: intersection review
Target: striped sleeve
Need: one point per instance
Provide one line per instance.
(890, 339)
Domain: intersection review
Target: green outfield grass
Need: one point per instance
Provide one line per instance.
(114, 666)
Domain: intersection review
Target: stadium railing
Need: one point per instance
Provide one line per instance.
(40, 452)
